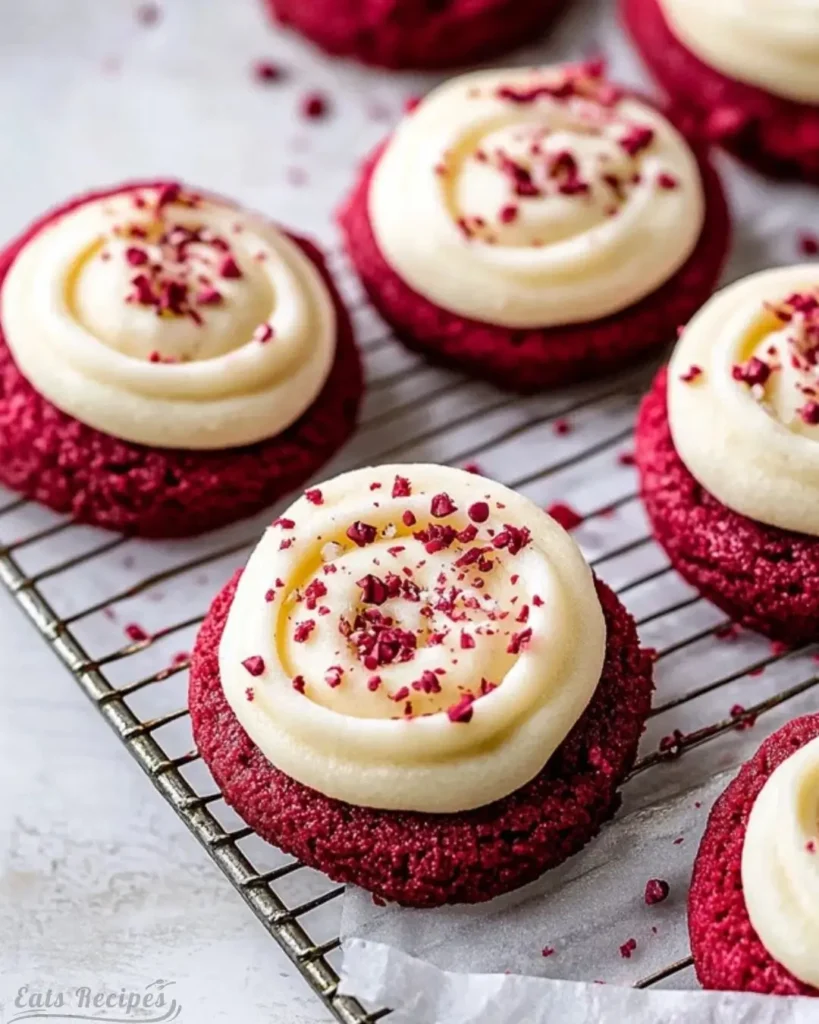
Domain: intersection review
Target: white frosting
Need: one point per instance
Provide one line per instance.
(390, 741)
(753, 445)
(769, 43)
(780, 864)
(501, 201)
(232, 354)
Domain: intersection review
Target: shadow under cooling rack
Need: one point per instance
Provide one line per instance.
(412, 412)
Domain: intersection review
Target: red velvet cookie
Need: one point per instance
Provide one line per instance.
(728, 953)
(423, 34)
(532, 357)
(52, 457)
(778, 136)
(764, 577)
(426, 860)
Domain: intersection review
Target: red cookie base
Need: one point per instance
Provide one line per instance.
(421, 34)
(777, 136)
(533, 360)
(54, 459)
(727, 951)
(425, 860)
(763, 577)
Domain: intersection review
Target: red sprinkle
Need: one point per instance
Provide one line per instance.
(254, 665)
(314, 496)
(508, 213)
(442, 506)
(229, 268)
(361, 533)
(520, 641)
(691, 374)
(408, 519)
(373, 683)
(314, 106)
(478, 512)
(808, 244)
(267, 71)
(299, 684)
(565, 515)
(737, 711)
(657, 890)
(401, 487)
(810, 413)
(562, 427)
(547, 951)
(667, 181)
(628, 948)
(626, 458)
(135, 632)
(462, 711)
(467, 641)
(284, 523)
(263, 333)
(136, 256)
(303, 630)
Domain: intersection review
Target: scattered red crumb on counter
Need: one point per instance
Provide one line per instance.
(314, 106)
(756, 671)
(626, 458)
(808, 243)
(473, 467)
(679, 840)
(562, 426)
(673, 743)
(410, 103)
(657, 890)
(628, 948)
(135, 632)
(547, 951)
(565, 515)
(730, 631)
(297, 176)
(737, 711)
(180, 658)
(148, 13)
(268, 71)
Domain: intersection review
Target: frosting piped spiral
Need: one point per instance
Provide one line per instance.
(531, 198)
(743, 394)
(169, 318)
(412, 637)
(773, 44)
(780, 864)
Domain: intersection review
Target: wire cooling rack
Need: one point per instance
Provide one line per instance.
(574, 443)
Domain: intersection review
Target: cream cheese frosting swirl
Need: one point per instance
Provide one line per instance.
(412, 637)
(780, 864)
(171, 319)
(535, 197)
(743, 394)
(773, 44)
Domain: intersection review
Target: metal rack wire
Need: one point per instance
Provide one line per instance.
(197, 805)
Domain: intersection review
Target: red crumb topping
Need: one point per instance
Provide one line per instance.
(462, 710)
(628, 948)
(254, 665)
(565, 515)
(401, 487)
(442, 506)
(299, 684)
(547, 951)
(362, 534)
(657, 890)
(314, 496)
(691, 374)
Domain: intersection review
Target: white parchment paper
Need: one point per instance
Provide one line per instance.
(90, 98)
